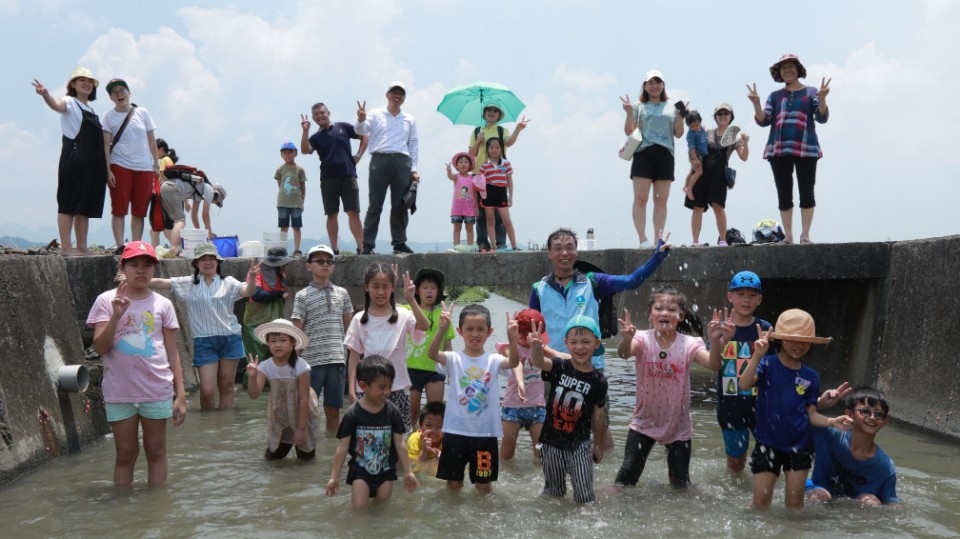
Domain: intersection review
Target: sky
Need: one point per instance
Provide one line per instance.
(226, 83)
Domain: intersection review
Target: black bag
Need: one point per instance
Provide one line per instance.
(608, 316)
(731, 175)
(734, 237)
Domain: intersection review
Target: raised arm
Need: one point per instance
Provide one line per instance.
(521, 125)
(433, 351)
(513, 335)
(748, 378)
(255, 379)
(632, 121)
(754, 98)
(607, 285)
(537, 359)
(250, 286)
(55, 104)
(720, 331)
(626, 348)
(409, 293)
(305, 147)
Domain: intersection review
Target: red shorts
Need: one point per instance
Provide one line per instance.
(134, 189)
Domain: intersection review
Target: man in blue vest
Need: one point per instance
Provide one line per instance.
(566, 292)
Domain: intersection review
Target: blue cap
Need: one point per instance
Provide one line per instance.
(581, 321)
(746, 279)
(288, 146)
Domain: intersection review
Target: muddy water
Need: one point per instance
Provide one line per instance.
(219, 486)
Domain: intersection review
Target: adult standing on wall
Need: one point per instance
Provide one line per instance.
(128, 132)
(653, 162)
(791, 113)
(566, 292)
(711, 189)
(338, 170)
(492, 114)
(396, 151)
(82, 174)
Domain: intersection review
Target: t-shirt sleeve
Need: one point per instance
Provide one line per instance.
(347, 302)
(233, 290)
(602, 394)
(299, 306)
(352, 338)
(168, 315)
(276, 175)
(694, 345)
(302, 366)
(301, 174)
(347, 424)
(147, 119)
(640, 343)
(101, 310)
(417, 336)
(180, 286)
(396, 420)
(888, 490)
(554, 373)
(413, 446)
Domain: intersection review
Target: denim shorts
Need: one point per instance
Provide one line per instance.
(526, 416)
(118, 411)
(287, 217)
(208, 350)
(462, 219)
(328, 380)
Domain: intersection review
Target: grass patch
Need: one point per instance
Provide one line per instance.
(472, 294)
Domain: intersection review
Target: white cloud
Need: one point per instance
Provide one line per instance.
(583, 79)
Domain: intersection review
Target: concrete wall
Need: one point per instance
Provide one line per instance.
(889, 306)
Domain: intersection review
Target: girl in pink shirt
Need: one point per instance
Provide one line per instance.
(466, 185)
(663, 361)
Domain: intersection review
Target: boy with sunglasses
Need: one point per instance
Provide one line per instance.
(850, 463)
(322, 310)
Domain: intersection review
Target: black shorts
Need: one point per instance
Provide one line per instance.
(481, 453)
(769, 459)
(653, 163)
(710, 189)
(419, 378)
(372, 481)
(496, 197)
(332, 190)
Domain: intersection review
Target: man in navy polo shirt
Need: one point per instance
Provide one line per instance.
(338, 170)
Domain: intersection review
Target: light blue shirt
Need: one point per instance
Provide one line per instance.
(656, 124)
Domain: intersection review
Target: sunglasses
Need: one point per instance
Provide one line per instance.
(867, 413)
(321, 262)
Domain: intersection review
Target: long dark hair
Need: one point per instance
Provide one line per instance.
(372, 271)
(171, 153)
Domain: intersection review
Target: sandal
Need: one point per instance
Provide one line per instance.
(804, 241)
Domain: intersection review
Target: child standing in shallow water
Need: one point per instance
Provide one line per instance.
(293, 414)
(382, 329)
(136, 332)
(466, 186)
(663, 358)
(499, 175)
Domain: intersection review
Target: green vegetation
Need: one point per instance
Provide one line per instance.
(473, 294)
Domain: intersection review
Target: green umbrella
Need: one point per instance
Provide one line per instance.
(464, 104)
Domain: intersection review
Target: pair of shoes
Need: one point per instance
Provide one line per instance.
(402, 249)
(367, 250)
(300, 253)
(721, 243)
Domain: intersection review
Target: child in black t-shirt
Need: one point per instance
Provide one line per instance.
(574, 408)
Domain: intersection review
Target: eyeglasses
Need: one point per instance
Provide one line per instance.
(322, 262)
(867, 413)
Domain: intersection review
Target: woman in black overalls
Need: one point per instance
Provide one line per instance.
(82, 178)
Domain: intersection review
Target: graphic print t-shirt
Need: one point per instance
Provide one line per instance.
(473, 397)
(734, 405)
(573, 397)
(371, 438)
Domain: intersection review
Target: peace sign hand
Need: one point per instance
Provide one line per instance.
(252, 363)
(120, 302)
(445, 316)
(824, 89)
(41, 89)
(361, 111)
(304, 122)
(409, 289)
(666, 242)
(522, 124)
(254, 267)
(762, 344)
(752, 94)
(627, 329)
(627, 103)
(535, 337)
(513, 327)
(720, 327)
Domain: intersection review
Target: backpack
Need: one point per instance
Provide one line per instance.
(503, 143)
(734, 237)
(189, 174)
(768, 231)
(608, 315)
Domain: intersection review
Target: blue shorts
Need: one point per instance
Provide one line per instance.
(526, 416)
(462, 219)
(419, 378)
(290, 216)
(736, 442)
(329, 380)
(209, 350)
(118, 411)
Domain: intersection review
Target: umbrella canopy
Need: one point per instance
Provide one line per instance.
(464, 104)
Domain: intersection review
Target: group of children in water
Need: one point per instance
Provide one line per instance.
(558, 396)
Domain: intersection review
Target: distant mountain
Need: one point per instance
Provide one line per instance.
(19, 243)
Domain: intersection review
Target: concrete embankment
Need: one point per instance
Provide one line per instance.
(890, 307)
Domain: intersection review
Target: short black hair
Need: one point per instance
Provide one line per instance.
(693, 116)
(372, 368)
(432, 408)
(476, 310)
(869, 396)
(559, 233)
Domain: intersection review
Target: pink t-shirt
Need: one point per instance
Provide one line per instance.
(662, 411)
(379, 337)
(532, 383)
(136, 368)
(464, 201)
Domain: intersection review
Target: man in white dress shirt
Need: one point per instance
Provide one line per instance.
(395, 150)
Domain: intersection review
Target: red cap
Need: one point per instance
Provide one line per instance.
(527, 317)
(138, 248)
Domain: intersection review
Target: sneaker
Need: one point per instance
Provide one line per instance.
(645, 244)
(367, 250)
(721, 243)
(402, 249)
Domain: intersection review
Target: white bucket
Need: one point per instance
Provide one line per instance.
(189, 239)
(73, 378)
(273, 239)
(250, 249)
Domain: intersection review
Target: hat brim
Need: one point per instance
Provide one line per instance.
(280, 262)
(775, 70)
(299, 337)
(801, 338)
(436, 275)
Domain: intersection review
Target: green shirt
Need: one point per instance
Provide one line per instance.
(417, 357)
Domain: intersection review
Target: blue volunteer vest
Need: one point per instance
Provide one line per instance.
(557, 310)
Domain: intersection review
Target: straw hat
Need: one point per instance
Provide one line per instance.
(775, 68)
(82, 72)
(286, 327)
(797, 325)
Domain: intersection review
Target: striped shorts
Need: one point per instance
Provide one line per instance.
(577, 462)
